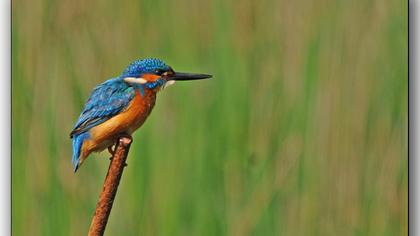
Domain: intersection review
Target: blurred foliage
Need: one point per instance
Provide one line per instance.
(302, 131)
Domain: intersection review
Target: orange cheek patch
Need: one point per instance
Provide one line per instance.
(150, 77)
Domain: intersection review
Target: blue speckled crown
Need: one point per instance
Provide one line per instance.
(148, 65)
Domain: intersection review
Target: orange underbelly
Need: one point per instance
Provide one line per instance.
(126, 122)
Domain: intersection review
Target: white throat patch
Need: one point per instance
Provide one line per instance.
(168, 83)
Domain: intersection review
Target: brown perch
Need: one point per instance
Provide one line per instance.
(109, 190)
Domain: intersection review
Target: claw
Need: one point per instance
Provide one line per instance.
(110, 150)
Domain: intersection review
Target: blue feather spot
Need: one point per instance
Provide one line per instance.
(141, 91)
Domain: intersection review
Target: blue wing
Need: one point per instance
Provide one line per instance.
(106, 100)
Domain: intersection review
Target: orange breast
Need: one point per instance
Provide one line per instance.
(128, 121)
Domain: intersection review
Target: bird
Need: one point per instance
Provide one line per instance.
(120, 105)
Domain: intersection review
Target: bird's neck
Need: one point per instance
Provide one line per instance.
(146, 93)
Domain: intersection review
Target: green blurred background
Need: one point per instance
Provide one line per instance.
(302, 131)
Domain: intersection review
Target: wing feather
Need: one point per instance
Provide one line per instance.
(105, 101)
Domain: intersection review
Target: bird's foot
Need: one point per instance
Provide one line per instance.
(125, 139)
(125, 135)
(110, 150)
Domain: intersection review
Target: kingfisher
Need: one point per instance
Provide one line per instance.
(120, 105)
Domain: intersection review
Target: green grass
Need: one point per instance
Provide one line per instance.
(302, 131)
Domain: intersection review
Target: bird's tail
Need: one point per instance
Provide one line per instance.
(77, 146)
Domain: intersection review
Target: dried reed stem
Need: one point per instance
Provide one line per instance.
(112, 180)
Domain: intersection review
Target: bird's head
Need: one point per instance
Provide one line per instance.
(154, 74)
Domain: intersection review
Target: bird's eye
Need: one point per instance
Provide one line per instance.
(159, 71)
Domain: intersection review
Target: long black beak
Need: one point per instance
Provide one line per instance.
(188, 76)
